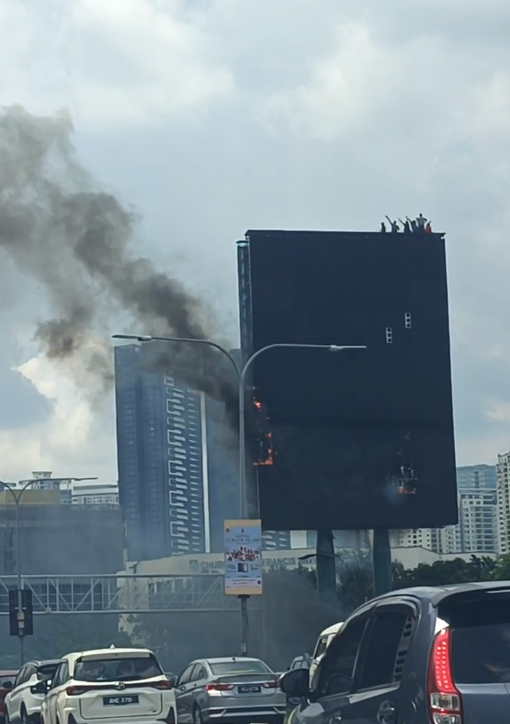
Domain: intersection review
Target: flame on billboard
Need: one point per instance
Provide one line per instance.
(266, 451)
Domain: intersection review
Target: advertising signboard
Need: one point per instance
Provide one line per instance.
(243, 558)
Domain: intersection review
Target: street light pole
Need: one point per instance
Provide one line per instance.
(241, 372)
(16, 495)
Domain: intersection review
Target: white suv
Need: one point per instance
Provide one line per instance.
(109, 686)
(23, 702)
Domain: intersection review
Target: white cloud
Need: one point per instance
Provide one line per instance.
(77, 441)
(311, 114)
(119, 63)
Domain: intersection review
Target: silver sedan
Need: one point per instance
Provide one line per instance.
(229, 690)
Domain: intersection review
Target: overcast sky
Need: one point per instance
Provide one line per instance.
(214, 116)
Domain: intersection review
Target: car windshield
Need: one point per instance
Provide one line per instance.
(129, 668)
(480, 642)
(226, 668)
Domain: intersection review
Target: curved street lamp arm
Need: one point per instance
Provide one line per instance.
(204, 342)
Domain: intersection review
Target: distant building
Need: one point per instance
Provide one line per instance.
(477, 529)
(81, 492)
(177, 462)
(503, 497)
(91, 494)
(60, 539)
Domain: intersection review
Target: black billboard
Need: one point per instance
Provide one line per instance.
(357, 438)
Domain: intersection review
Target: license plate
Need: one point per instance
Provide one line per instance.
(249, 689)
(119, 700)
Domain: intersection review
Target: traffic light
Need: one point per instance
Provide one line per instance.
(21, 622)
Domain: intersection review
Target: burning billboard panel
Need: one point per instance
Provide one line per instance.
(352, 439)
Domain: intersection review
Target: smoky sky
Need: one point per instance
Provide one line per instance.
(79, 242)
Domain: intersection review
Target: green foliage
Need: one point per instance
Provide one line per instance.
(356, 575)
(442, 573)
(502, 568)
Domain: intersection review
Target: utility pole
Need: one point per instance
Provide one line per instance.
(20, 605)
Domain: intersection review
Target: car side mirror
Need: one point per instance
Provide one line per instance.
(40, 688)
(7, 685)
(296, 683)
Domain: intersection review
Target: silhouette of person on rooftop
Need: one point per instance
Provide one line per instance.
(421, 221)
(394, 226)
(383, 227)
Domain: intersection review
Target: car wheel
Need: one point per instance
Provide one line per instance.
(6, 717)
(23, 715)
(197, 716)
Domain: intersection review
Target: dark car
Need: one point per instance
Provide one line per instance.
(7, 677)
(416, 656)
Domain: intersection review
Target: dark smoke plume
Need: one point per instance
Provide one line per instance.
(77, 241)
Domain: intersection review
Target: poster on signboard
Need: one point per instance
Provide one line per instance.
(243, 557)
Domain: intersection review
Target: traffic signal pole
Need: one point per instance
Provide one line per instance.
(21, 614)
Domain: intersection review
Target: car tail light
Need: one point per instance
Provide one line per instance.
(219, 687)
(443, 695)
(163, 685)
(78, 690)
(270, 684)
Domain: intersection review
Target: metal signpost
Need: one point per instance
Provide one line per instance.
(243, 566)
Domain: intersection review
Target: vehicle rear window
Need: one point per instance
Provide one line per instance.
(226, 668)
(129, 668)
(46, 671)
(480, 642)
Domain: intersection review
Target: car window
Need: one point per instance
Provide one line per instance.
(195, 673)
(480, 642)
(226, 668)
(322, 645)
(19, 678)
(185, 677)
(387, 647)
(122, 668)
(337, 666)
(64, 673)
(57, 678)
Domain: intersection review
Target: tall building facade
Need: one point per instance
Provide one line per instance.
(503, 496)
(171, 443)
(477, 529)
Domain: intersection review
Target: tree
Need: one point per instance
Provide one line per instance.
(501, 571)
(356, 580)
(442, 573)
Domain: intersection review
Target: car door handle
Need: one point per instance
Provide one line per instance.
(386, 713)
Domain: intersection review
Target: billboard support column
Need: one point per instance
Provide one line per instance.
(326, 565)
(243, 567)
(381, 559)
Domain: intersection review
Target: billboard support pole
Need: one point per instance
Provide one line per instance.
(326, 565)
(381, 560)
(243, 496)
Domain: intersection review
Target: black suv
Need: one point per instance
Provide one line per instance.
(415, 656)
